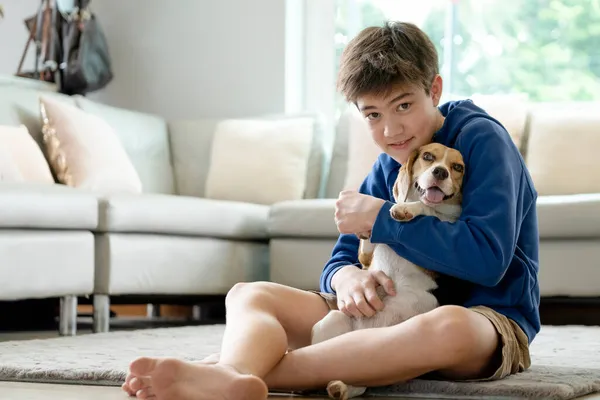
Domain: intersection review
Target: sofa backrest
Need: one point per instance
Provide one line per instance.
(354, 151)
(558, 142)
(145, 138)
(191, 143)
(20, 105)
(562, 141)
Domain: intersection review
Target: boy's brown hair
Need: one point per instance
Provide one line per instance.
(379, 57)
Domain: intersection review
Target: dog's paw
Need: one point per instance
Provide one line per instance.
(337, 390)
(401, 213)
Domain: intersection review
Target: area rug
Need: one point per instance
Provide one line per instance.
(566, 362)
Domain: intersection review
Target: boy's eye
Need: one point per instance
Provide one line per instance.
(373, 115)
(404, 106)
(428, 156)
(458, 168)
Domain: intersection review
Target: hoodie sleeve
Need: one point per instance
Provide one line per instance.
(480, 245)
(345, 251)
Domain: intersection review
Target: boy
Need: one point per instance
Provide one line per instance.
(391, 74)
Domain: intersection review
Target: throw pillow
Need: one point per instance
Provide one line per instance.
(362, 150)
(259, 161)
(27, 157)
(562, 148)
(511, 111)
(84, 150)
(9, 172)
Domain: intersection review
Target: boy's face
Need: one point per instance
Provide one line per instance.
(403, 120)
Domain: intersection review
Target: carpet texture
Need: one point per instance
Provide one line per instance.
(565, 362)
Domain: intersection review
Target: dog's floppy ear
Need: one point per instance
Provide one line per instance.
(404, 181)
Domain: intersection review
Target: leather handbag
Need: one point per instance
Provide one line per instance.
(71, 49)
(85, 65)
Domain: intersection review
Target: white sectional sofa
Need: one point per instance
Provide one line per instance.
(58, 241)
(169, 240)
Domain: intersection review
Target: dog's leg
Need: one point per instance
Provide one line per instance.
(335, 323)
(407, 211)
(340, 391)
(365, 253)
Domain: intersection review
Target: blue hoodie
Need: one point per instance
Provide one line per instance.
(490, 255)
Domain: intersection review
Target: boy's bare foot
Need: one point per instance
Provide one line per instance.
(134, 383)
(171, 379)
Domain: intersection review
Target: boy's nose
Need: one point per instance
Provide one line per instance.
(391, 131)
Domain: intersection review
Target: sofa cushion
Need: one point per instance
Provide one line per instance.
(146, 140)
(304, 218)
(260, 161)
(181, 215)
(43, 206)
(562, 148)
(43, 263)
(84, 150)
(9, 171)
(130, 263)
(569, 216)
(511, 110)
(26, 154)
(191, 144)
(362, 151)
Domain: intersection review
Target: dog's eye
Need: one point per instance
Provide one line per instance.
(428, 157)
(458, 168)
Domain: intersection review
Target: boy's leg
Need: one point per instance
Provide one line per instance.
(454, 342)
(263, 320)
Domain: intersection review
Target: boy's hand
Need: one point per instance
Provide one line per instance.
(356, 212)
(356, 290)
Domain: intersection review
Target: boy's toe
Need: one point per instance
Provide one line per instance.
(143, 366)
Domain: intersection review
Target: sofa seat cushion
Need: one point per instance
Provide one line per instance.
(569, 216)
(47, 206)
(312, 218)
(182, 215)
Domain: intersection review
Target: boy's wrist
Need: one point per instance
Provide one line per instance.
(339, 275)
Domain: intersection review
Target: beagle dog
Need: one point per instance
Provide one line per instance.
(429, 183)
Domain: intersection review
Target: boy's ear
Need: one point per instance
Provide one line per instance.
(404, 181)
(436, 90)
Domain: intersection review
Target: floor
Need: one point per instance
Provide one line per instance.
(41, 391)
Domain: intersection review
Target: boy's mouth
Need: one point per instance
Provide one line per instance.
(401, 145)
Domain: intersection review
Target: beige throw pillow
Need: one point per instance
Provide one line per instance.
(362, 150)
(510, 110)
(259, 161)
(9, 172)
(562, 152)
(26, 157)
(84, 151)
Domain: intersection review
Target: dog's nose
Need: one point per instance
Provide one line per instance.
(440, 173)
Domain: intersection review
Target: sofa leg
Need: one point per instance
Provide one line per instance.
(101, 313)
(67, 325)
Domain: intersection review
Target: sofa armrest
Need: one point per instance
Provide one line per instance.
(310, 218)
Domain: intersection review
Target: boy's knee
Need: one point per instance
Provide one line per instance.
(247, 292)
(451, 327)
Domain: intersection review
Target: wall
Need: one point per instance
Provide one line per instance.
(181, 59)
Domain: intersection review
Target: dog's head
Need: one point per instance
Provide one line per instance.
(433, 175)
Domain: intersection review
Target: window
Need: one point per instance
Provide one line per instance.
(546, 50)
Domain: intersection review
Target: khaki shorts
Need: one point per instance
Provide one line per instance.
(512, 355)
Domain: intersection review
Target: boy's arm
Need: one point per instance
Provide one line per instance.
(345, 251)
(481, 244)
